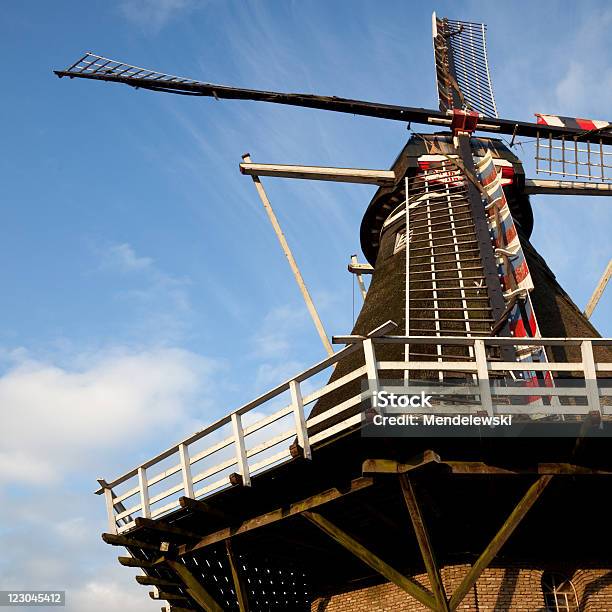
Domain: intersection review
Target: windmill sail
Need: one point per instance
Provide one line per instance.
(462, 67)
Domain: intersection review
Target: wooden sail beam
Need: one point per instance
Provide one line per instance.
(239, 584)
(601, 286)
(422, 536)
(551, 187)
(193, 587)
(292, 263)
(370, 559)
(383, 178)
(277, 515)
(506, 530)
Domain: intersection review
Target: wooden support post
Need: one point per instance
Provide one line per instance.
(193, 586)
(370, 559)
(240, 448)
(357, 273)
(371, 368)
(300, 420)
(186, 470)
(422, 537)
(590, 377)
(519, 512)
(239, 585)
(292, 263)
(143, 484)
(601, 285)
(110, 509)
(480, 353)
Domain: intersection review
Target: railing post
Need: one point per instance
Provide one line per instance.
(371, 369)
(110, 510)
(480, 353)
(241, 454)
(300, 421)
(186, 470)
(590, 376)
(143, 484)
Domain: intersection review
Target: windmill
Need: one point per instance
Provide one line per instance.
(454, 275)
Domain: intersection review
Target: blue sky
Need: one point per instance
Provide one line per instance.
(144, 291)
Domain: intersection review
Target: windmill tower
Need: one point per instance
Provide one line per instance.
(311, 507)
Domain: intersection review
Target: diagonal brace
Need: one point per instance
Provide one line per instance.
(506, 530)
(361, 552)
(194, 587)
(422, 537)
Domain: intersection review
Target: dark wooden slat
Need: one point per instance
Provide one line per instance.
(132, 562)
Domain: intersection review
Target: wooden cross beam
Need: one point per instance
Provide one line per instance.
(383, 178)
(431, 565)
(120, 540)
(276, 515)
(158, 582)
(369, 558)
(194, 588)
(506, 530)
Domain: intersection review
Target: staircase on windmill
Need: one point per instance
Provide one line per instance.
(300, 510)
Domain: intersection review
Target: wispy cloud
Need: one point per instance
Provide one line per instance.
(153, 15)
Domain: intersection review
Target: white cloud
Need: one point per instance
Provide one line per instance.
(154, 14)
(56, 420)
(124, 258)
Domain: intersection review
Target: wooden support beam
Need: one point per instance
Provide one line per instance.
(162, 595)
(166, 530)
(383, 178)
(601, 286)
(277, 515)
(429, 559)
(239, 584)
(158, 582)
(358, 273)
(172, 608)
(506, 530)
(360, 268)
(551, 187)
(203, 507)
(120, 540)
(389, 466)
(194, 587)
(133, 562)
(370, 559)
(292, 263)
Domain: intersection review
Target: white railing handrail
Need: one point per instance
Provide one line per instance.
(478, 363)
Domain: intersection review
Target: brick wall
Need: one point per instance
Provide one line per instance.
(515, 588)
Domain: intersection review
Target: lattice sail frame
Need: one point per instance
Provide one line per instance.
(97, 65)
(462, 66)
(584, 157)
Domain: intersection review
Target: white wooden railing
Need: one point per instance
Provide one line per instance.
(244, 444)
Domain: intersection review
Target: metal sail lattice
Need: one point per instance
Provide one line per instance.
(462, 66)
(98, 66)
